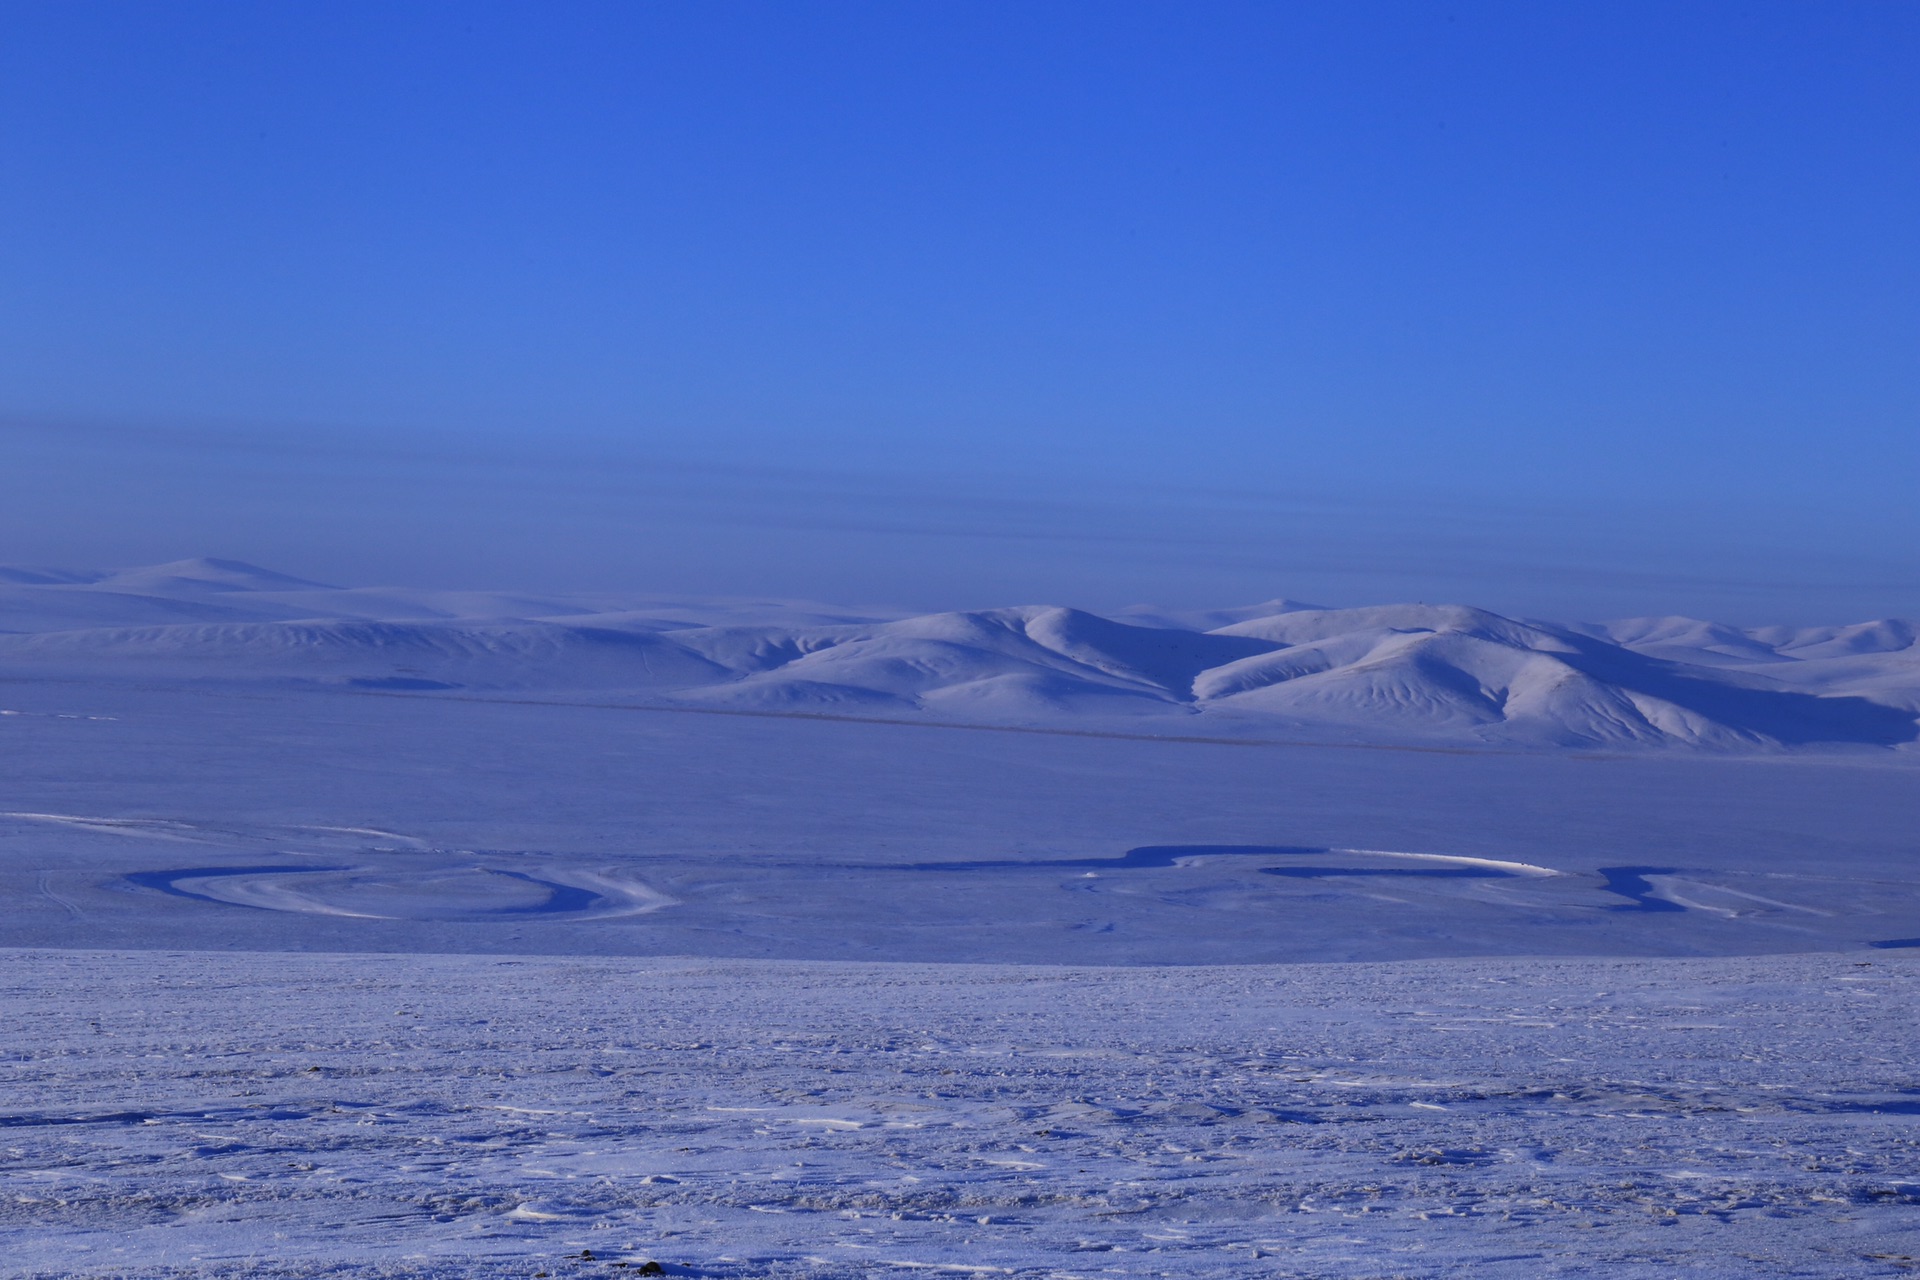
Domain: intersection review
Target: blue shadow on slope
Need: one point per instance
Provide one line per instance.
(1169, 855)
(1429, 873)
(1632, 884)
(1784, 715)
(561, 898)
(1896, 944)
(1147, 856)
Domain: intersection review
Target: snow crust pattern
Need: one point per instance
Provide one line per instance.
(482, 1117)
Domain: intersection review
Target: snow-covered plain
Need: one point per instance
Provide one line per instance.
(387, 933)
(196, 1115)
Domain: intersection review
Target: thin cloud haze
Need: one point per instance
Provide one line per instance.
(590, 516)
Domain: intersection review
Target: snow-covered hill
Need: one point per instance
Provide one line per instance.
(1411, 671)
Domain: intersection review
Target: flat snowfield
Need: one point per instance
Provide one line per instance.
(213, 1115)
(148, 816)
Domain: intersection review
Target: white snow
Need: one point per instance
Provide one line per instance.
(196, 1115)
(375, 934)
(1392, 673)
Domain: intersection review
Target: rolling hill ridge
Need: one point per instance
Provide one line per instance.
(1408, 672)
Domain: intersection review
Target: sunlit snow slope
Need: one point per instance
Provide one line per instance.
(1393, 672)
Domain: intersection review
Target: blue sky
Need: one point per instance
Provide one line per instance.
(1574, 309)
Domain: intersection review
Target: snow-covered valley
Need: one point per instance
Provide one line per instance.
(361, 934)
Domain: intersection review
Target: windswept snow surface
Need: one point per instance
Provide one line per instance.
(1390, 673)
(180, 1115)
(380, 933)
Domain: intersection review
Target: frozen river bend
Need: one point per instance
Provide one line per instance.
(205, 1115)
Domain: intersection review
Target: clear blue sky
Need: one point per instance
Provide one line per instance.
(1564, 308)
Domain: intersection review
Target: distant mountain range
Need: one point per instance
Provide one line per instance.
(1409, 673)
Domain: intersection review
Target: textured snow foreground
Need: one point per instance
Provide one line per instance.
(378, 934)
(173, 1114)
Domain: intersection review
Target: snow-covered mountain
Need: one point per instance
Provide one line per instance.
(1399, 672)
